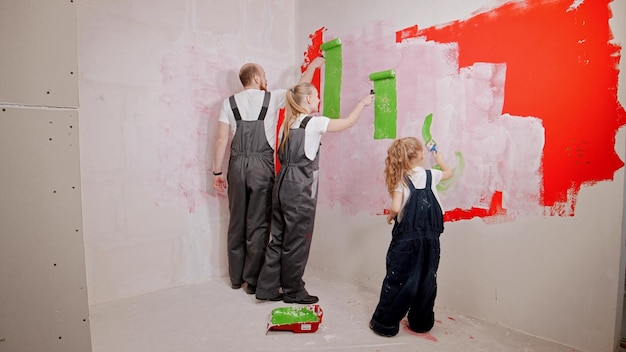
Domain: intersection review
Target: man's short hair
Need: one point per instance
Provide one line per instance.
(247, 72)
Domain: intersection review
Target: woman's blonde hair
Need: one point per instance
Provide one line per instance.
(400, 155)
(293, 107)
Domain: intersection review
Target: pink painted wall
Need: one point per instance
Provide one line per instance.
(152, 78)
(537, 211)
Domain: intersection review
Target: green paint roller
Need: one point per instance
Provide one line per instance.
(377, 76)
(428, 138)
(330, 44)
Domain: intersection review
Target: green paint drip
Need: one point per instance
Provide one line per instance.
(292, 315)
(445, 185)
(332, 77)
(385, 104)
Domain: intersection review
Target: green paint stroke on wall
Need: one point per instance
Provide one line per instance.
(385, 104)
(428, 138)
(332, 77)
(459, 169)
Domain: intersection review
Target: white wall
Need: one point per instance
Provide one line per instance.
(548, 276)
(152, 78)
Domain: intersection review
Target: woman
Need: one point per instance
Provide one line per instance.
(295, 194)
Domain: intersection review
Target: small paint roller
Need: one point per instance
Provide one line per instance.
(330, 44)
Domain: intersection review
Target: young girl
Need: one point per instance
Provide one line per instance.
(413, 257)
(295, 194)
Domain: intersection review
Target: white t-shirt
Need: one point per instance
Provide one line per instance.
(249, 103)
(419, 181)
(314, 130)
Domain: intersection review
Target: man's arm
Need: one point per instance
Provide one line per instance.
(219, 182)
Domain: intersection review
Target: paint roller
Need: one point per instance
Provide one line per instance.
(330, 44)
(377, 76)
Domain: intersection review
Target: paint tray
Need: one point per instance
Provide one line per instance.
(295, 318)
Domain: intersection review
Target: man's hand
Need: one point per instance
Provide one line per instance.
(220, 184)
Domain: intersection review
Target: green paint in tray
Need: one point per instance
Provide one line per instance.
(293, 315)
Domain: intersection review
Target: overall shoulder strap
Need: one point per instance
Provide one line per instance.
(233, 106)
(266, 104)
(429, 179)
(409, 183)
(305, 121)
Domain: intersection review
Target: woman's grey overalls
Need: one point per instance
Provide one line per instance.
(293, 216)
(250, 181)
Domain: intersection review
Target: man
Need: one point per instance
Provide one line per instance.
(251, 115)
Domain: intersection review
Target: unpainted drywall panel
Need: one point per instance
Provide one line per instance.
(43, 299)
(38, 42)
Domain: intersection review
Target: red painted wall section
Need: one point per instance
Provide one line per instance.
(560, 67)
(312, 52)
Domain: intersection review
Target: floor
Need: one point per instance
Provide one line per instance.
(213, 317)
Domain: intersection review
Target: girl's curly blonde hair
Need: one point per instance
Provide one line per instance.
(400, 156)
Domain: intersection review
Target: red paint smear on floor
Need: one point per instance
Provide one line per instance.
(426, 336)
(562, 69)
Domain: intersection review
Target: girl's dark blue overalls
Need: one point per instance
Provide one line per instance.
(410, 284)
